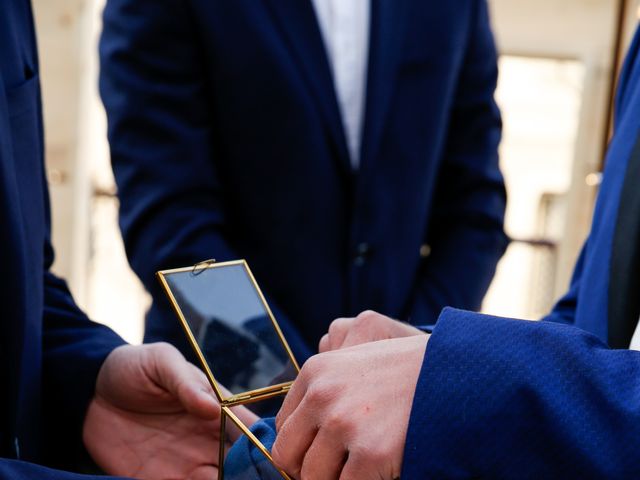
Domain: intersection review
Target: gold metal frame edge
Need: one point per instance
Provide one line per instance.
(253, 439)
(241, 398)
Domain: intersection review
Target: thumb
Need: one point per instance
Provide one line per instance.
(184, 381)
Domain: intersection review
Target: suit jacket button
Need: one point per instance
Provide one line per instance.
(362, 252)
(425, 251)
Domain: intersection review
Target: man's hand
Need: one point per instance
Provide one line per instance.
(367, 327)
(154, 416)
(347, 414)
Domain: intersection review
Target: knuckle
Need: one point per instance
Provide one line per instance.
(163, 349)
(163, 346)
(338, 424)
(313, 367)
(372, 454)
(366, 317)
(319, 394)
(338, 325)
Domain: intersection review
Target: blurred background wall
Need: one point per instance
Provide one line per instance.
(558, 62)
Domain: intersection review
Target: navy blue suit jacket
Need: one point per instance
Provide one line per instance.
(50, 353)
(501, 398)
(226, 141)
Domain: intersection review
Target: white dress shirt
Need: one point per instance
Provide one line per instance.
(635, 341)
(345, 26)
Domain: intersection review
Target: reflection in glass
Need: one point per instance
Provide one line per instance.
(232, 327)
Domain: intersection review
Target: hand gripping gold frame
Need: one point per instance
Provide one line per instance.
(226, 402)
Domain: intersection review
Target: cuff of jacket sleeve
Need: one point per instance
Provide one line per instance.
(70, 386)
(502, 398)
(465, 381)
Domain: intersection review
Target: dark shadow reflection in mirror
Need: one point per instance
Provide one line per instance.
(232, 327)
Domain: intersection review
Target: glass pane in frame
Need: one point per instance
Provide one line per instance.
(232, 330)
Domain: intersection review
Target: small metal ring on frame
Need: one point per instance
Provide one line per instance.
(200, 267)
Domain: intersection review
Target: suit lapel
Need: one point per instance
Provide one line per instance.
(300, 28)
(624, 282)
(385, 43)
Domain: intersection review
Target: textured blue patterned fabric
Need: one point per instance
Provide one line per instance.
(245, 462)
(500, 398)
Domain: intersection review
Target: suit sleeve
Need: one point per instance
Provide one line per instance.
(565, 310)
(467, 237)
(152, 84)
(15, 470)
(74, 349)
(501, 398)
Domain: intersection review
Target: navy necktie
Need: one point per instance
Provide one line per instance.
(624, 283)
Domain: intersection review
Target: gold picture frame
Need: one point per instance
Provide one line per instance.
(227, 401)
